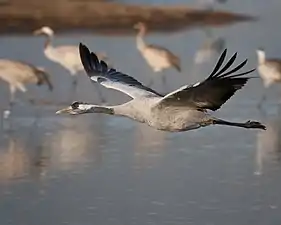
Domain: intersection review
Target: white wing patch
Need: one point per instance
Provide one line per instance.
(94, 78)
(173, 92)
(132, 91)
(196, 84)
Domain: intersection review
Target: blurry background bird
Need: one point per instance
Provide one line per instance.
(65, 55)
(157, 57)
(17, 74)
(269, 70)
(212, 46)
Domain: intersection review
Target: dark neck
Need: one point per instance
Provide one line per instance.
(101, 109)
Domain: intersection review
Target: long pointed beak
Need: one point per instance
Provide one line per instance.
(67, 110)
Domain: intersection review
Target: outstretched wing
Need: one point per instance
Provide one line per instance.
(213, 92)
(99, 72)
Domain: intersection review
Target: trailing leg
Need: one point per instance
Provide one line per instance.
(249, 124)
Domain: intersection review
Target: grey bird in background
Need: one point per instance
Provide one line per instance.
(212, 46)
(17, 74)
(157, 57)
(65, 55)
(269, 71)
(181, 110)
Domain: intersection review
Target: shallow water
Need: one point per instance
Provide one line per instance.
(98, 169)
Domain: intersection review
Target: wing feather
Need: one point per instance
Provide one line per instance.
(227, 65)
(98, 71)
(219, 63)
(213, 92)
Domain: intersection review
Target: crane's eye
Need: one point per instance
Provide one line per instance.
(75, 105)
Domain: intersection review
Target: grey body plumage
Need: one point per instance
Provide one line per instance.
(181, 110)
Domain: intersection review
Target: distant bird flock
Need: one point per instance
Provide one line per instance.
(186, 108)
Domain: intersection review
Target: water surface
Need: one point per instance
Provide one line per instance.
(98, 169)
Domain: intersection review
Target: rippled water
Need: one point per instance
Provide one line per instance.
(98, 169)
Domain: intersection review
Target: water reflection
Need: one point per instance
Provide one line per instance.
(148, 146)
(147, 176)
(19, 158)
(71, 147)
(14, 160)
(268, 142)
(76, 142)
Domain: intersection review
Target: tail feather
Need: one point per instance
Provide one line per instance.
(175, 61)
(177, 67)
(43, 78)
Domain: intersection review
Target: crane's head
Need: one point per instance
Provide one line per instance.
(140, 26)
(44, 30)
(43, 77)
(81, 108)
(76, 108)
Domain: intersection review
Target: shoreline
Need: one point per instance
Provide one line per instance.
(107, 17)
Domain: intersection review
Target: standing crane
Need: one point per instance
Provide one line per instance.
(157, 57)
(269, 70)
(65, 55)
(17, 74)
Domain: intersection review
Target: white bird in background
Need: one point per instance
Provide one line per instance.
(269, 70)
(65, 55)
(17, 74)
(181, 110)
(158, 58)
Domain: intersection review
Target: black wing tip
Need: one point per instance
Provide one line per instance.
(83, 49)
(90, 60)
(177, 67)
(85, 56)
(220, 73)
(85, 52)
